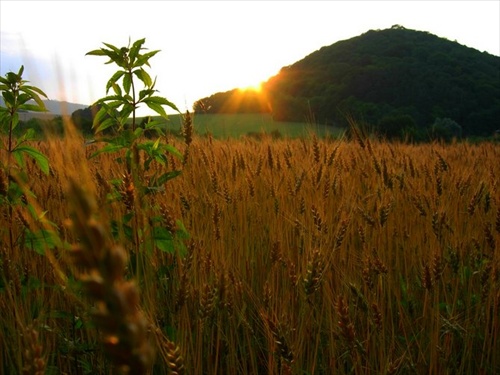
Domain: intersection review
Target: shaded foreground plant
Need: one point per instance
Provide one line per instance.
(139, 155)
(126, 99)
(116, 310)
(14, 176)
(115, 111)
(18, 96)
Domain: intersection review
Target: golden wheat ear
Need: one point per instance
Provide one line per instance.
(35, 363)
(116, 311)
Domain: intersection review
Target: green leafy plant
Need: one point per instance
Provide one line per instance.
(132, 86)
(126, 99)
(18, 96)
(118, 111)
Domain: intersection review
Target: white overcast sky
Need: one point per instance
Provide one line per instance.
(210, 46)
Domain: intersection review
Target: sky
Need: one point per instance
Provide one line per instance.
(210, 46)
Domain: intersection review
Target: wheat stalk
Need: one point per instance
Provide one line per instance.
(175, 361)
(345, 324)
(116, 311)
(427, 277)
(35, 363)
(314, 274)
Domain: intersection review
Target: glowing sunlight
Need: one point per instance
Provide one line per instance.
(257, 87)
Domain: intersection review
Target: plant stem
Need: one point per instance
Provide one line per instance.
(9, 157)
(134, 103)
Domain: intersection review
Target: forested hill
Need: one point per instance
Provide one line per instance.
(391, 76)
(392, 72)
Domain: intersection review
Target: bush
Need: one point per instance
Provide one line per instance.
(396, 126)
(445, 129)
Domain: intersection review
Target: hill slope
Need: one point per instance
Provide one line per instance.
(390, 73)
(390, 79)
(61, 107)
(55, 107)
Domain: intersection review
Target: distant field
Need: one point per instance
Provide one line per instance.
(26, 116)
(224, 126)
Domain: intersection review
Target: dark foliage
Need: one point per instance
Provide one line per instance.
(386, 75)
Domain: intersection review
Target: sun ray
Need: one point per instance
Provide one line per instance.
(253, 87)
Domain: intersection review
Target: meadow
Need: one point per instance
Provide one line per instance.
(270, 256)
(225, 126)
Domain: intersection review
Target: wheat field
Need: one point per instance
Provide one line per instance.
(303, 256)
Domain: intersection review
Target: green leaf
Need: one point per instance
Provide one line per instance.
(9, 99)
(112, 47)
(143, 59)
(96, 52)
(157, 108)
(31, 89)
(155, 145)
(126, 138)
(41, 159)
(29, 135)
(136, 47)
(99, 116)
(172, 150)
(23, 98)
(127, 83)
(113, 79)
(145, 93)
(162, 101)
(109, 122)
(159, 100)
(112, 98)
(155, 124)
(181, 231)
(108, 149)
(32, 107)
(125, 114)
(14, 191)
(112, 105)
(12, 78)
(4, 117)
(138, 132)
(18, 156)
(167, 176)
(143, 76)
(128, 217)
(15, 120)
(113, 54)
(114, 196)
(164, 240)
(117, 89)
(42, 239)
(37, 99)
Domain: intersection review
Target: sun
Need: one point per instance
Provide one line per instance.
(257, 87)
